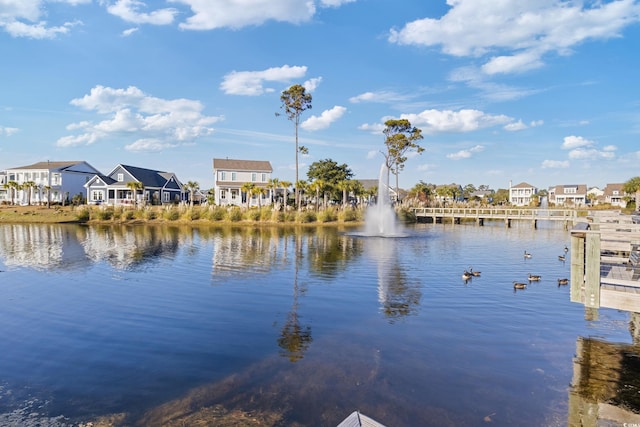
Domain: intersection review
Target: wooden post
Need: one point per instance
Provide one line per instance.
(592, 271)
(577, 267)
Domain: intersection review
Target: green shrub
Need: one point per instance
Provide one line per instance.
(328, 215)
(128, 215)
(171, 214)
(350, 215)
(217, 213)
(104, 214)
(83, 215)
(235, 214)
(307, 217)
(150, 214)
(254, 215)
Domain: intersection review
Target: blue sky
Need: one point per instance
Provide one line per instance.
(540, 91)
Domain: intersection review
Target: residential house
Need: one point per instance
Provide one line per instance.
(568, 195)
(48, 182)
(448, 193)
(231, 174)
(112, 189)
(522, 194)
(614, 195)
(595, 196)
(4, 189)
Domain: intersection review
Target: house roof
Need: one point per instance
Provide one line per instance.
(523, 185)
(50, 165)
(610, 188)
(149, 177)
(242, 165)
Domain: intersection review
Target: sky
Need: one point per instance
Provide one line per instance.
(505, 91)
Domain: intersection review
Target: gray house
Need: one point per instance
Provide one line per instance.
(113, 189)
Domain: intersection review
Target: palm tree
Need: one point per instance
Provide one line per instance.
(13, 188)
(285, 187)
(47, 189)
(274, 183)
(192, 187)
(247, 188)
(28, 187)
(259, 192)
(135, 186)
(632, 186)
(301, 188)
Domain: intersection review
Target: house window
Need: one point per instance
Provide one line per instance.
(223, 176)
(223, 194)
(97, 196)
(570, 190)
(233, 176)
(234, 194)
(166, 196)
(120, 177)
(254, 177)
(264, 177)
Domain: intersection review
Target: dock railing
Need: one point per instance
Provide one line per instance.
(605, 270)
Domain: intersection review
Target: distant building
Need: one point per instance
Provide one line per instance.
(522, 194)
(614, 195)
(595, 196)
(51, 181)
(568, 195)
(231, 174)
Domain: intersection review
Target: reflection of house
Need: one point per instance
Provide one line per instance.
(522, 194)
(614, 195)
(64, 179)
(112, 189)
(230, 175)
(568, 195)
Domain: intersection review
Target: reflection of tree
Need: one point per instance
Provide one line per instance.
(398, 296)
(400, 299)
(294, 337)
(330, 253)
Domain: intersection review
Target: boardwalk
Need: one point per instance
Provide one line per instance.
(480, 215)
(605, 267)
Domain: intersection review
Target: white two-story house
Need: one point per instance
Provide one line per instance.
(522, 194)
(231, 174)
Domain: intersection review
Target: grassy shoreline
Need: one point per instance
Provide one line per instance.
(179, 215)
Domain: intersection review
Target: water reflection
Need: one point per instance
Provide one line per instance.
(398, 296)
(606, 384)
(125, 248)
(42, 247)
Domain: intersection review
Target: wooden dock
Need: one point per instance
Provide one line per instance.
(480, 215)
(605, 267)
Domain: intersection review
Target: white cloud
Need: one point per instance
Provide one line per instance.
(590, 154)
(372, 128)
(156, 123)
(571, 142)
(324, 120)
(251, 83)
(312, 84)
(466, 120)
(555, 164)
(211, 14)
(128, 32)
(515, 126)
(149, 144)
(5, 131)
(381, 96)
(521, 32)
(334, 3)
(372, 154)
(131, 11)
(22, 18)
(465, 154)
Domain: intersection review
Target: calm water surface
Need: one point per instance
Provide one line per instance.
(312, 324)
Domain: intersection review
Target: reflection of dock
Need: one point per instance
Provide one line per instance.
(605, 385)
(480, 215)
(605, 270)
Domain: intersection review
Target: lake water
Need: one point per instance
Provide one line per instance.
(149, 324)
